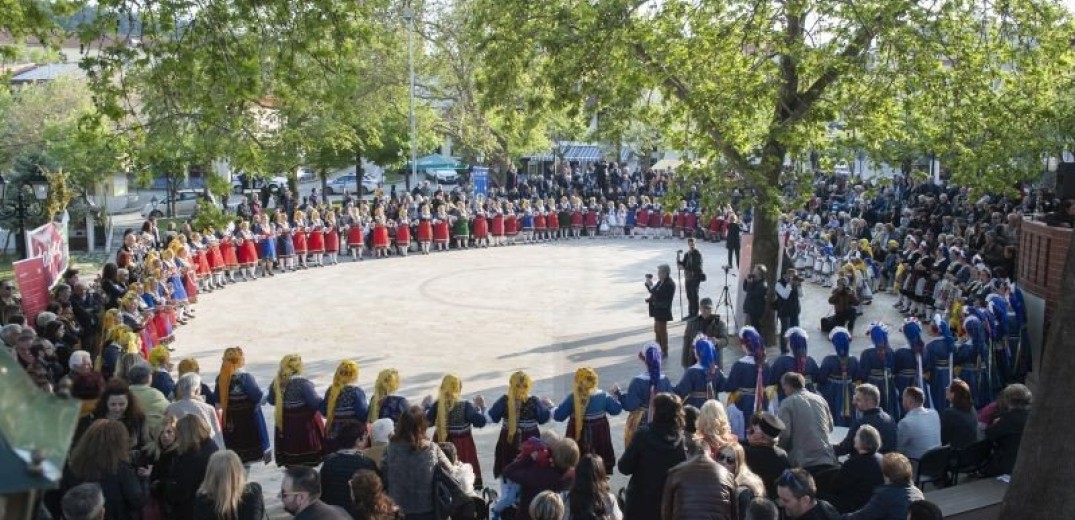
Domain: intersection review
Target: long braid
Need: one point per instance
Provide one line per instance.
(233, 360)
(450, 389)
(289, 366)
(346, 373)
(387, 382)
(585, 382)
(518, 393)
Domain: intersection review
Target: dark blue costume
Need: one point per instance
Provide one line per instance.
(704, 379)
(799, 362)
(266, 241)
(971, 358)
(242, 419)
(908, 363)
(939, 359)
(748, 376)
(836, 378)
(352, 408)
(392, 406)
(1021, 359)
(876, 367)
(1002, 353)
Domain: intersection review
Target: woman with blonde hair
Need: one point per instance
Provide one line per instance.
(520, 414)
(300, 430)
(225, 494)
(332, 236)
(714, 429)
(299, 228)
(238, 397)
(454, 417)
(748, 484)
(161, 361)
(345, 409)
(194, 446)
(586, 410)
(316, 237)
(384, 403)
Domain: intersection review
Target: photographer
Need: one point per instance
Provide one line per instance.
(788, 289)
(755, 289)
(843, 301)
(691, 264)
(708, 323)
(660, 304)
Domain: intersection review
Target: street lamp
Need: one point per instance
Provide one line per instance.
(408, 15)
(28, 196)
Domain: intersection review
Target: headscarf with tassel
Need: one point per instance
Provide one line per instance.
(450, 389)
(752, 340)
(346, 373)
(585, 382)
(841, 341)
(290, 365)
(651, 356)
(518, 393)
(233, 360)
(706, 354)
(912, 330)
(797, 339)
(387, 382)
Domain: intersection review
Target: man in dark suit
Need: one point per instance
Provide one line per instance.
(660, 299)
(691, 263)
(300, 492)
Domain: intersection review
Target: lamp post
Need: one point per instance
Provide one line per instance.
(408, 14)
(28, 196)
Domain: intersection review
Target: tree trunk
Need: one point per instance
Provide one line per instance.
(765, 245)
(323, 174)
(1041, 480)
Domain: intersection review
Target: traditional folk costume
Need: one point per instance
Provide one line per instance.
(285, 246)
(441, 233)
(403, 233)
(266, 234)
(315, 241)
(747, 378)
(799, 361)
(641, 391)
(971, 360)
(511, 224)
(589, 220)
(876, 367)
(453, 418)
(461, 226)
(298, 237)
(630, 218)
(552, 222)
(425, 230)
(836, 378)
(496, 226)
(586, 410)
(668, 224)
(702, 380)
(909, 362)
(332, 237)
(940, 360)
(481, 228)
(383, 403)
(239, 399)
(227, 250)
(526, 221)
(381, 241)
(355, 234)
(576, 219)
(345, 409)
(655, 221)
(520, 414)
(300, 430)
(540, 223)
(564, 218)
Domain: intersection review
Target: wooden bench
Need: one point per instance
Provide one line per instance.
(975, 500)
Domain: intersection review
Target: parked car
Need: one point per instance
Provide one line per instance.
(442, 176)
(347, 182)
(243, 182)
(186, 202)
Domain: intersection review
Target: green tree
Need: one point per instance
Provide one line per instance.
(760, 81)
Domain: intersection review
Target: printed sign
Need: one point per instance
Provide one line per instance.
(479, 177)
(49, 243)
(34, 282)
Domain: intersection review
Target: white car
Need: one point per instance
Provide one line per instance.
(442, 176)
(186, 201)
(347, 183)
(256, 183)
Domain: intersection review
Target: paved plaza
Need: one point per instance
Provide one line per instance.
(480, 313)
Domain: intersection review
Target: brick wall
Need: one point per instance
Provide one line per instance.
(1042, 253)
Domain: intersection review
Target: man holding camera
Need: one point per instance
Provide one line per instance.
(708, 323)
(660, 299)
(691, 264)
(844, 300)
(788, 289)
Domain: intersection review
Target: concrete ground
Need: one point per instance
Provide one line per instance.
(480, 313)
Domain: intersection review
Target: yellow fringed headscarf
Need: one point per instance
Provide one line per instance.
(289, 366)
(233, 360)
(159, 356)
(518, 393)
(387, 382)
(346, 373)
(450, 388)
(585, 383)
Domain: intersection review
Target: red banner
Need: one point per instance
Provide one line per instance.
(33, 281)
(47, 242)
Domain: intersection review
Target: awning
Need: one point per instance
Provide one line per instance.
(626, 154)
(580, 152)
(666, 164)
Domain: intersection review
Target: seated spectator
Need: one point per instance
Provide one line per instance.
(86, 384)
(546, 505)
(300, 493)
(891, 500)
(699, 488)
(867, 400)
(920, 429)
(370, 500)
(959, 423)
(408, 464)
(102, 456)
(797, 496)
(1006, 431)
(194, 446)
(860, 473)
(225, 494)
(380, 433)
(590, 495)
(150, 400)
(767, 459)
(762, 509)
(339, 467)
(84, 502)
(748, 485)
(924, 510)
(118, 404)
(462, 472)
(189, 401)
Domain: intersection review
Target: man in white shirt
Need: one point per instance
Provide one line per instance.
(920, 429)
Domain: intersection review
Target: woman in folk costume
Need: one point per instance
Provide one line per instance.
(520, 414)
(202, 271)
(216, 259)
(187, 267)
(453, 418)
(381, 241)
(611, 225)
(480, 224)
(704, 379)
(345, 408)
(511, 224)
(798, 361)
(425, 229)
(641, 390)
(939, 362)
(909, 364)
(668, 223)
(332, 237)
(541, 221)
(315, 238)
(690, 222)
(627, 216)
(403, 233)
(239, 397)
(300, 430)
(526, 221)
(441, 231)
(170, 272)
(680, 219)
(496, 222)
(285, 245)
(655, 224)
(565, 218)
(642, 217)
(586, 410)
(836, 378)
(161, 362)
(355, 234)
(266, 234)
(746, 380)
(552, 221)
(229, 246)
(299, 230)
(461, 226)
(971, 360)
(248, 251)
(155, 326)
(590, 218)
(384, 403)
(576, 217)
(876, 367)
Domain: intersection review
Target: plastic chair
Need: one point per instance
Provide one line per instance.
(970, 459)
(933, 467)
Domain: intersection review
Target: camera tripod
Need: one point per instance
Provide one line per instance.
(725, 299)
